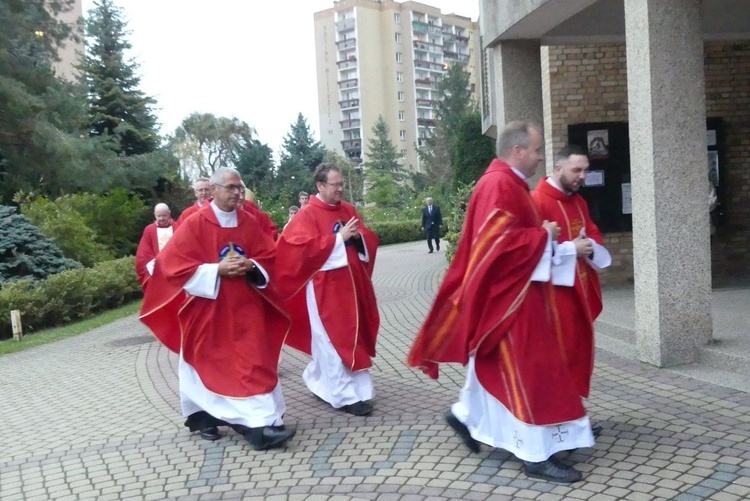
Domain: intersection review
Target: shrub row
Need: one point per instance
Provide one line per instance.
(394, 232)
(69, 295)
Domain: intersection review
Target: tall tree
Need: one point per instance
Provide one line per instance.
(40, 115)
(205, 142)
(472, 151)
(453, 106)
(300, 155)
(254, 161)
(117, 106)
(382, 155)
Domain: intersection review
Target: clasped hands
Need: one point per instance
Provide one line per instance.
(235, 266)
(350, 229)
(584, 245)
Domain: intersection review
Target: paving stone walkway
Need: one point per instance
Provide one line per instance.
(97, 417)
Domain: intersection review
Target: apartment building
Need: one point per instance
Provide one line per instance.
(70, 51)
(381, 57)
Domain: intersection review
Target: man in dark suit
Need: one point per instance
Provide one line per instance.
(432, 220)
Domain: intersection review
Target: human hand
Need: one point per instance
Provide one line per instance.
(350, 229)
(552, 227)
(584, 246)
(235, 266)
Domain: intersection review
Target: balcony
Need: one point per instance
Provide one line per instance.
(426, 122)
(424, 82)
(346, 43)
(418, 63)
(425, 103)
(450, 54)
(345, 25)
(417, 26)
(351, 144)
(349, 83)
(346, 64)
(349, 103)
(350, 124)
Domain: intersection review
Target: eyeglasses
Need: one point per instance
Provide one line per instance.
(231, 187)
(336, 185)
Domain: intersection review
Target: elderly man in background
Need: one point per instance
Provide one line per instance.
(202, 190)
(210, 303)
(155, 237)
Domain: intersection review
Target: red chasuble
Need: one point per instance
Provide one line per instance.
(148, 248)
(488, 307)
(233, 342)
(190, 211)
(344, 296)
(581, 304)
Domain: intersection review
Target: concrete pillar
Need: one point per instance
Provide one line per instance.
(518, 76)
(671, 242)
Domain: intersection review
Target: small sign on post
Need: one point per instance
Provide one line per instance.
(15, 322)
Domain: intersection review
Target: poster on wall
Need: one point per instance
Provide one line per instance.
(594, 178)
(598, 143)
(627, 199)
(713, 167)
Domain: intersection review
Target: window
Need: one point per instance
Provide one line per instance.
(403, 153)
(396, 17)
(402, 135)
(399, 76)
(398, 37)
(401, 96)
(399, 57)
(401, 115)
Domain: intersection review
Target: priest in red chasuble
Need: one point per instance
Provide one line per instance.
(495, 313)
(325, 260)
(580, 254)
(210, 301)
(155, 237)
(202, 190)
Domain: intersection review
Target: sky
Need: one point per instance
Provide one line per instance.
(250, 59)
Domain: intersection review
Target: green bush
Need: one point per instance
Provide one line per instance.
(69, 295)
(90, 228)
(393, 232)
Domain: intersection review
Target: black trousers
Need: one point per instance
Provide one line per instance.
(433, 233)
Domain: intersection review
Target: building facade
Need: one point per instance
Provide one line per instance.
(69, 53)
(657, 90)
(380, 57)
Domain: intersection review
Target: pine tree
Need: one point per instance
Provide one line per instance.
(382, 155)
(25, 252)
(117, 106)
(302, 146)
(300, 155)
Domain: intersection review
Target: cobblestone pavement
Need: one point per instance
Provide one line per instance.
(97, 417)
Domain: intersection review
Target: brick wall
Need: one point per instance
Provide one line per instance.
(589, 84)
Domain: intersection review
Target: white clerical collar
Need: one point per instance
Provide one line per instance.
(554, 184)
(518, 173)
(226, 219)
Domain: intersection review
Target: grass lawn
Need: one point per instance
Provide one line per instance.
(58, 333)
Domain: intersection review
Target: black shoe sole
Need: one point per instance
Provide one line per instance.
(275, 444)
(462, 432)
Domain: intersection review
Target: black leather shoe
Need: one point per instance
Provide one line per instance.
(438, 247)
(358, 409)
(462, 431)
(430, 252)
(596, 430)
(210, 433)
(552, 471)
(269, 437)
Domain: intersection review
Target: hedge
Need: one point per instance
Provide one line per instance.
(69, 295)
(395, 232)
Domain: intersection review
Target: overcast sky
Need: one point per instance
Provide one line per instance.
(252, 59)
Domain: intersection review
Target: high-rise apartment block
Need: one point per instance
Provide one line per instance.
(380, 57)
(70, 51)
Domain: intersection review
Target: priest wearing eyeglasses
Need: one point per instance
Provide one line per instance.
(325, 260)
(211, 302)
